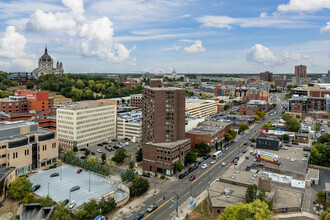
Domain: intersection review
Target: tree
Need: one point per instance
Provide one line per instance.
(255, 210)
(75, 149)
(232, 113)
(325, 215)
(20, 188)
(28, 198)
(268, 126)
(256, 117)
(233, 133)
(90, 210)
(29, 85)
(47, 202)
(87, 152)
(285, 117)
(226, 107)
(316, 157)
(286, 137)
(252, 193)
(61, 213)
(261, 114)
(103, 157)
(131, 165)
(107, 205)
(228, 137)
(203, 148)
(292, 124)
(243, 127)
(120, 155)
(191, 157)
(140, 186)
(288, 96)
(221, 101)
(178, 166)
(138, 155)
(128, 175)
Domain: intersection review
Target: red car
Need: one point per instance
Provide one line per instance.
(192, 177)
(235, 163)
(79, 171)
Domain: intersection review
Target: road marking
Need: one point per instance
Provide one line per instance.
(159, 207)
(159, 200)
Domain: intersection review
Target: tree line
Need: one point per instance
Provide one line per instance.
(85, 87)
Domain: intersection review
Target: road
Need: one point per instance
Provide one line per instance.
(184, 188)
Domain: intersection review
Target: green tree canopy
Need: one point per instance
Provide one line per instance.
(138, 155)
(233, 133)
(232, 113)
(191, 157)
(140, 186)
(261, 114)
(20, 188)
(243, 127)
(178, 166)
(257, 210)
(256, 117)
(292, 124)
(286, 137)
(268, 126)
(228, 137)
(120, 155)
(203, 148)
(103, 157)
(61, 213)
(252, 193)
(226, 107)
(90, 210)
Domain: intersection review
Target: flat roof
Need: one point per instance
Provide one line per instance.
(209, 127)
(162, 88)
(168, 144)
(218, 198)
(14, 124)
(287, 198)
(313, 174)
(191, 103)
(241, 176)
(5, 171)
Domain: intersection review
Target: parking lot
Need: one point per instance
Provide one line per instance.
(59, 187)
(132, 148)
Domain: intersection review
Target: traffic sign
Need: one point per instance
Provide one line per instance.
(173, 201)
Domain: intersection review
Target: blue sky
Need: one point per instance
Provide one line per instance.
(199, 36)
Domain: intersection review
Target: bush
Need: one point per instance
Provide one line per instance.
(162, 176)
(17, 217)
(120, 155)
(20, 188)
(87, 165)
(140, 186)
(128, 175)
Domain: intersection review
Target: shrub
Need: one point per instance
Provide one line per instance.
(162, 176)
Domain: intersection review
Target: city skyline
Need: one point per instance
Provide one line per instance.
(196, 36)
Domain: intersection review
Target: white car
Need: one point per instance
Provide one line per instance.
(72, 204)
(109, 142)
(213, 162)
(99, 150)
(223, 164)
(292, 159)
(304, 159)
(254, 160)
(204, 166)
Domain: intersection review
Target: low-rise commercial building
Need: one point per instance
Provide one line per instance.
(201, 107)
(270, 143)
(25, 146)
(210, 132)
(253, 107)
(129, 125)
(88, 124)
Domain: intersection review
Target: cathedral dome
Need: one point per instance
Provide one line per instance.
(46, 57)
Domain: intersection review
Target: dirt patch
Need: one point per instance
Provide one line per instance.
(9, 205)
(201, 212)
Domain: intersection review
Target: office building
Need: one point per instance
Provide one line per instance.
(136, 100)
(253, 107)
(25, 146)
(210, 132)
(163, 128)
(280, 81)
(87, 124)
(266, 76)
(129, 125)
(300, 74)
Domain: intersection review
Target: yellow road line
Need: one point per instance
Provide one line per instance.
(159, 207)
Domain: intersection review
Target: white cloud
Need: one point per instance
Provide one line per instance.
(289, 56)
(197, 47)
(326, 29)
(12, 47)
(262, 21)
(262, 55)
(132, 62)
(98, 41)
(186, 16)
(175, 48)
(304, 5)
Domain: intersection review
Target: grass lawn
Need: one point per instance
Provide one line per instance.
(205, 215)
(9, 205)
(59, 98)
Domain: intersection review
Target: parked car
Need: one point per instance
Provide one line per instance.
(245, 143)
(205, 157)
(233, 162)
(115, 147)
(305, 155)
(105, 142)
(100, 217)
(72, 204)
(74, 188)
(186, 173)
(244, 151)
(213, 162)
(99, 150)
(92, 153)
(83, 157)
(192, 177)
(54, 174)
(79, 170)
(195, 166)
(82, 149)
(247, 157)
(223, 164)
(191, 169)
(139, 216)
(292, 159)
(99, 144)
(109, 142)
(204, 166)
(146, 175)
(65, 201)
(35, 187)
(181, 176)
(152, 208)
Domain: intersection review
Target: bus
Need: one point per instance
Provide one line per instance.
(217, 154)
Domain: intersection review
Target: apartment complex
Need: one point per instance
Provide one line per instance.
(201, 108)
(266, 76)
(26, 104)
(136, 100)
(223, 90)
(129, 125)
(90, 123)
(210, 132)
(25, 146)
(163, 128)
(253, 107)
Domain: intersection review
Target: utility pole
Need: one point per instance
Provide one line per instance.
(177, 204)
(48, 190)
(89, 182)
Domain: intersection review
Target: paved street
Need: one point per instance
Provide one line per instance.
(185, 188)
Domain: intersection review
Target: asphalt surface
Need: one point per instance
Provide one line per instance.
(184, 188)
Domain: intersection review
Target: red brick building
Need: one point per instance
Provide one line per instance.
(252, 107)
(210, 132)
(131, 84)
(136, 100)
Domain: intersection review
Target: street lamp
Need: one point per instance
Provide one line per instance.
(48, 190)
(89, 181)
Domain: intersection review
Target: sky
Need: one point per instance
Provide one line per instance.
(192, 36)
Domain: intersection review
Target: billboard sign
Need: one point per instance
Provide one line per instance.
(268, 157)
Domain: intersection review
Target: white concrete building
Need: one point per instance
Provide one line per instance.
(88, 124)
(201, 108)
(129, 125)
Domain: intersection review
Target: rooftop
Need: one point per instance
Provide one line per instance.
(313, 174)
(162, 88)
(191, 103)
(133, 117)
(209, 127)
(168, 144)
(5, 171)
(284, 198)
(218, 195)
(14, 124)
(240, 176)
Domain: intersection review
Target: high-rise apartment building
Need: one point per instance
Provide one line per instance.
(300, 74)
(163, 114)
(266, 76)
(163, 128)
(88, 124)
